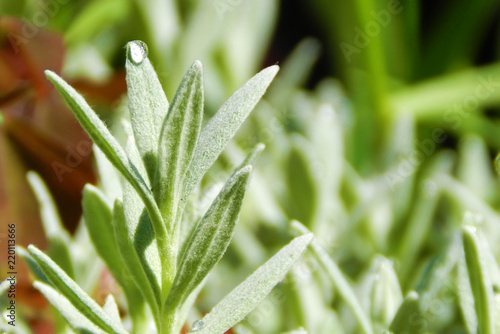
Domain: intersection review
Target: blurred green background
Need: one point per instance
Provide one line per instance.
(381, 128)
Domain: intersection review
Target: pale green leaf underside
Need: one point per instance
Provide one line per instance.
(101, 136)
(211, 238)
(222, 127)
(178, 137)
(245, 297)
(148, 107)
(76, 319)
(75, 295)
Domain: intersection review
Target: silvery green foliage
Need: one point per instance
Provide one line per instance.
(138, 237)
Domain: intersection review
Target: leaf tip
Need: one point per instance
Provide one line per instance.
(197, 65)
(307, 238)
(51, 76)
(246, 170)
(260, 147)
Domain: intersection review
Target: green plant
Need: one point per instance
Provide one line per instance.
(140, 237)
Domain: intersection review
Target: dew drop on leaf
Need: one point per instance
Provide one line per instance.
(197, 326)
(137, 51)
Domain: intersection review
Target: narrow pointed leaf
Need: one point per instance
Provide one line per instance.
(125, 237)
(147, 103)
(32, 265)
(466, 298)
(101, 136)
(179, 134)
(338, 279)
(408, 318)
(59, 238)
(222, 127)
(111, 309)
(75, 295)
(210, 239)
(99, 222)
(142, 237)
(480, 280)
(76, 319)
(245, 297)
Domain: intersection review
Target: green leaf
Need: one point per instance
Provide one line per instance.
(101, 136)
(147, 103)
(142, 237)
(222, 127)
(385, 295)
(466, 298)
(75, 295)
(245, 297)
(178, 137)
(99, 222)
(480, 280)
(125, 240)
(338, 279)
(59, 239)
(409, 318)
(32, 265)
(210, 239)
(73, 315)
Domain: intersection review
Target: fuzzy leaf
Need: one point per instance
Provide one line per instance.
(222, 127)
(59, 239)
(246, 296)
(74, 317)
(125, 237)
(32, 265)
(178, 137)
(75, 295)
(480, 280)
(111, 308)
(210, 239)
(99, 221)
(338, 279)
(148, 105)
(466, 298)
(408, 318)
(101, 136)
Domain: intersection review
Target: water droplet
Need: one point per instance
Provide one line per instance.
(137, 51)
(197, 326)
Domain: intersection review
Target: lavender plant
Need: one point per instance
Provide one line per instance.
(139, 236)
